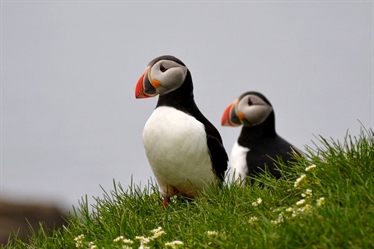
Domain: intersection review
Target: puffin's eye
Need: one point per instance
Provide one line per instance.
(250, 101)
(162, 68)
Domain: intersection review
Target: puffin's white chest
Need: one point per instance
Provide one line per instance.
(176, 146)
(238, 161)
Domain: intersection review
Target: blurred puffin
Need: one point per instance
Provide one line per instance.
(258, 144)
(184, 149)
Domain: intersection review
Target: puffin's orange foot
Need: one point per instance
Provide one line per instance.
(166, 201)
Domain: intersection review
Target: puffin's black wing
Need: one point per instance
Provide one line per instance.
(217, 152)
(267, 152)
(218, 156)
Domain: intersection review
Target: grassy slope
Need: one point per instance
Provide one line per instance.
(233, 217)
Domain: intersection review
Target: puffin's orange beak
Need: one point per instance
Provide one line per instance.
(144, 88)
(230, 117)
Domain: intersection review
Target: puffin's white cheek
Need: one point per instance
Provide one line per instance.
(173, 78)
(257, 114)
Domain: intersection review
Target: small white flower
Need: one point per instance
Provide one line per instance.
(296, 212)
(307, 208)
(321, 201)
(78, 240)
(279, 219)
(212, 233)
(300, 180)
(252, 220)
(159, 229)
(174, 244)
(290, 210)
(92, 245)
(310, 168)
(119, 238)
(178, 243)
(126, 247)
(79, 237)
(78, 244)
(158, 234)
(128, 241)
(301, 202)
(257, 202)
(308, 193)
(143, 247)
(143, 240)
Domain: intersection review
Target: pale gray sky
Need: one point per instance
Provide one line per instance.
(70, 121)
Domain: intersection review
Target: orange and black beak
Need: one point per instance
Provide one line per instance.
(146, 88)
(231, 117)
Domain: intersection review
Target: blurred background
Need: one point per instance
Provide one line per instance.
(70, 123)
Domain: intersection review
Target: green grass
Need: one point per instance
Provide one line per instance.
(233, 216)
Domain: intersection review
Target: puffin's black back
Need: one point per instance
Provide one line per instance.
(183, 100)
(264, 144)
(266, 152)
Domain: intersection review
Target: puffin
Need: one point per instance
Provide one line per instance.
(185, 150)
(258, 147)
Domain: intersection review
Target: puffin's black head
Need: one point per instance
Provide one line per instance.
(250, 109)
(163, 74)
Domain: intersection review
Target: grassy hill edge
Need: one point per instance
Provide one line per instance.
(325, 200)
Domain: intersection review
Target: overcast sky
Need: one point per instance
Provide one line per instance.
(70, 122)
